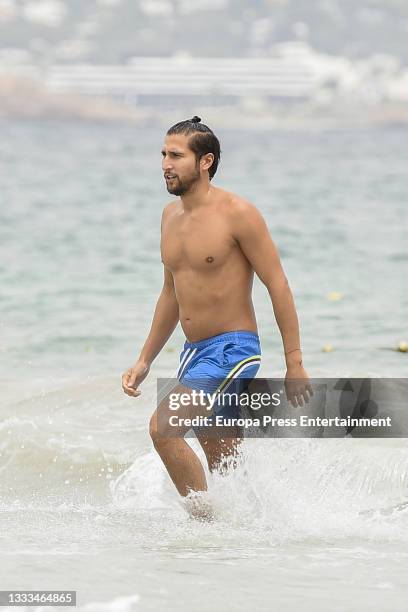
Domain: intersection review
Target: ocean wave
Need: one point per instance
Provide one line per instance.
(82, 427)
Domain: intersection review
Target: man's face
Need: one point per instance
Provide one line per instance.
(180, 167)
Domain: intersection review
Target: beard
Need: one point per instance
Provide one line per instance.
(179, 187)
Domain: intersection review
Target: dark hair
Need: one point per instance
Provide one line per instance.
(202, 141)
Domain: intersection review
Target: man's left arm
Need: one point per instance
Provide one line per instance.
(252, 234)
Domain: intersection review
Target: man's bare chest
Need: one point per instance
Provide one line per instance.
(202, 244)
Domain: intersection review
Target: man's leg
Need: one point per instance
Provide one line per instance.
(221, 442)
(183, 465)
(221, 449)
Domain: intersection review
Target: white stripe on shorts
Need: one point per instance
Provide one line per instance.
(183, 367)
(183, 360)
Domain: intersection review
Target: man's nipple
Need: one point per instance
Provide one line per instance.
(209, 259)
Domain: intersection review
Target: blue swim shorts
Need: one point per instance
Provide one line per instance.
(219, 364)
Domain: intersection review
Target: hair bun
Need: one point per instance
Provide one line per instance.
(196, 119)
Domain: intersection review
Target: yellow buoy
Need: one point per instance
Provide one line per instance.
(402, 347)
(334, 296)
(328, 348)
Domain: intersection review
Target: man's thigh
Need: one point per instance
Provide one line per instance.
(176, 411)
(172, 418)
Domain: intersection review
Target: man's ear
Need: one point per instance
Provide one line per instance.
(206, 161)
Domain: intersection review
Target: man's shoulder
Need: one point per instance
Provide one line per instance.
(170, 207)
(237, 204)
(244, 218)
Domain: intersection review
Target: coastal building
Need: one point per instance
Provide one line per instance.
(165, 81)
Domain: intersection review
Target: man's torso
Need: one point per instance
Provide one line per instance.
(212, 277)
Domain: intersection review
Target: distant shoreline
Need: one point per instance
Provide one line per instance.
(25, 99)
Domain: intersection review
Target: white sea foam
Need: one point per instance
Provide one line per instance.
(283, 490)
(290, 490)
(119, 604)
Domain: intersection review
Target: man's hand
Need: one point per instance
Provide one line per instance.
(133, 377)
(297, 386)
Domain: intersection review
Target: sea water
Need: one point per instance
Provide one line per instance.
(85, 502)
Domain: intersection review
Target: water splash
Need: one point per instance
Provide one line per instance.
(289, 490)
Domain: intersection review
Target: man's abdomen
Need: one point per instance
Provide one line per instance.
(207, 311)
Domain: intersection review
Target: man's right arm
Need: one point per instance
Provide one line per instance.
(165, 319)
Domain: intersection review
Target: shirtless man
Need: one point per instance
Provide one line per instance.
(212, 241)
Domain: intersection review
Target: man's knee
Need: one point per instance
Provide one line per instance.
(153, 429)
(159, 430)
